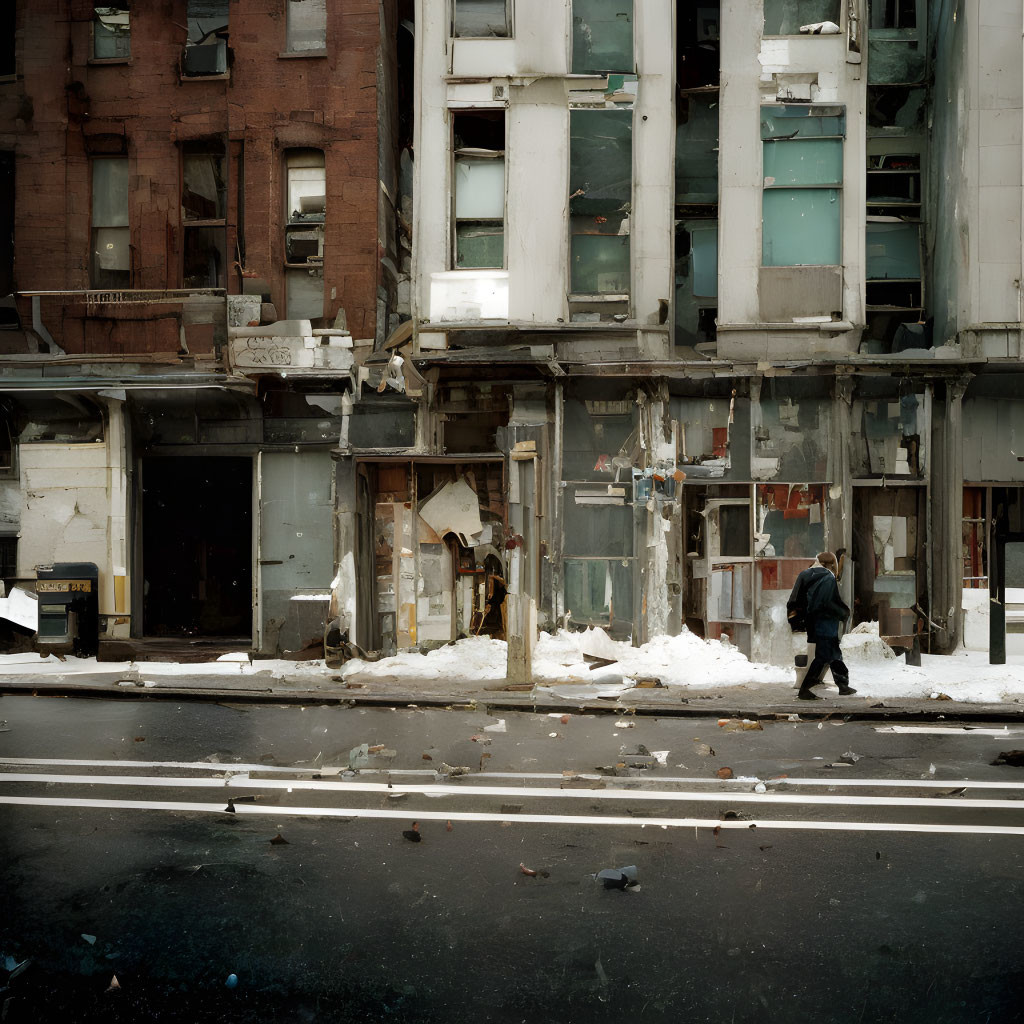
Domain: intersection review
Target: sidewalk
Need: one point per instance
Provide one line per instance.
(679, 676)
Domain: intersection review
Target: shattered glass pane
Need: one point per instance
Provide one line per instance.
(803, 162)
(801, 227)
(896, 61)
(599, 591)
(893, 251)
(204, 170)
(782, 121)
(481, 18)
(592, 527)
(307, 25)
(111, 31)
(479, 244)
(784, 17)
(791, 520)
(602, 36)
(697, 149)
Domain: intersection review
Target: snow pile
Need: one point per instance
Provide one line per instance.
(862, 646)
(683, 660)
(470, 659)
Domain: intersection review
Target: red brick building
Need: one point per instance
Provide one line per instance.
(196, 200)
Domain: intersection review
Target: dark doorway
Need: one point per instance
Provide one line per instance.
(197, 547)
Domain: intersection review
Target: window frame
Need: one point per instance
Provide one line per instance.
(93, 269)
(117, 58)
(288, 52)
(312, 266)
(840, 21)
(471, 153)
(186, 76)
(509, 23)
(205, 147)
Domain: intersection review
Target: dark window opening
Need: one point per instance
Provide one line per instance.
(111, 31)
(204, 208)
(697, 50)
(206, 52)
(8, 26)
(892, 14)
(478, 139)
(8, 557)
(6, 227)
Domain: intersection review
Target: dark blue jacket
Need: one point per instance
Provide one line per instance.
(815, 598)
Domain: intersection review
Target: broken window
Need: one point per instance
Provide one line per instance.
(790, 521)
(600, 201)
(206, 52)
(792, 428)
(204, 211)
(697, 47)
(892, 14)
(111, 31)
(802, 150)
(8, 27)
(481, 19)
(713, 437)
(696, 277)
(598, 440)
(697, 149)
(478, 143)
(602, 36)
(787, 17)
(307, 25)
(889, 429)
(110, 266)
(304, 233)
(600, 592)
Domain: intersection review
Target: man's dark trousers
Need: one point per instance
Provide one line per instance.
(827, 654)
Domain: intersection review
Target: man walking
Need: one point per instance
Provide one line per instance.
(816, 597)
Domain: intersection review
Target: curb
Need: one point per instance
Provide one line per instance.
(496, 701)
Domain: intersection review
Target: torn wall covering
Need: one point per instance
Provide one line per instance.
(889, 432)
(792, 431)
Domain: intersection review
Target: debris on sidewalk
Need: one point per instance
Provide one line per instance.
(454, 771)
(724, 773)
(740, 725)
(618, 878)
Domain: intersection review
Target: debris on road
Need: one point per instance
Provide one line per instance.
(231, 981)
(114, 986)
(618, 878)
(413, 834)
(498, 726)
(740, 725)
(1013, 758)
(724, 773)
(623, 724)
(850, 757)
(704, 750)
(454, 771)
(279, 840)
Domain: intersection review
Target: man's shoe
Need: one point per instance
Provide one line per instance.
(806, 694)
(845, 691)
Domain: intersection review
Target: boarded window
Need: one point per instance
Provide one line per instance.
(600, 199)
(110, 266)
(307, 25)
(206, 52)
(785, 17)
(203, 211)
(602, 36)
(479, 150)
(482, 19)
(802, 150)
(111, 31)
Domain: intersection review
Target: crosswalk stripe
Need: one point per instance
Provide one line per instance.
(535, 819)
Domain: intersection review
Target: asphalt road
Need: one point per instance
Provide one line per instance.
(877, 876)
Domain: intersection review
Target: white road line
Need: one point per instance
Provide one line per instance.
(951, 730)
(543, 793)
(532, 819)
(471, 780)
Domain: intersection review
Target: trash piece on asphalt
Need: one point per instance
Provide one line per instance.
(618, 878)
(448, 826)
(479, 737)
(483, 758)
(767, 846)
(511, 808)
(703, 750)
(397, 796)
(850, 757)
(734, 816)
(951, 792)
(279, 840)
(602, 974)
(427, 757)
(231, 981)
(454, 770)
(623, 724)
(498, 726)
(593, 661)
(931, 769)
(649, 683)
(4, 727)
(880, 704)
(553, 735)
(529, 872)
(359, 757)
(140, 739)
(413, 834)
(740, 725)
(793, 718)
(661, 756)
(114, 986)
(878, 854)
(724, 773)
(564, 719)
(1013, 758)
(936, 695)
(760, 788)
(375, 749)
(91, 939)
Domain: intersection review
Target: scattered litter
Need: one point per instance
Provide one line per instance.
(448, 826)
(479, 737)
(703, 750)
(454, 770)
(397, 796)
(511, 808)
(936, 695)
(1013, 758)
(140, 739)
(279, 840)
(564, 719)
(649, 683)
(760, 788)
(931, 769)
(498, 726)
(231, 981)
(483, 758)
(767, 846)
(724, 773)
(661, 756)
(529, 872)
(735, 816)
(740, 725)
(793, 718)
(553, 735)
(149, 684)
(413, 834)
(951, 792)
(623, 724)
(91, 939)
(427, 757)
(593, 661)
(375, 749)
(618, 878)
(115, 985)
(850, 757)
(359, 757)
